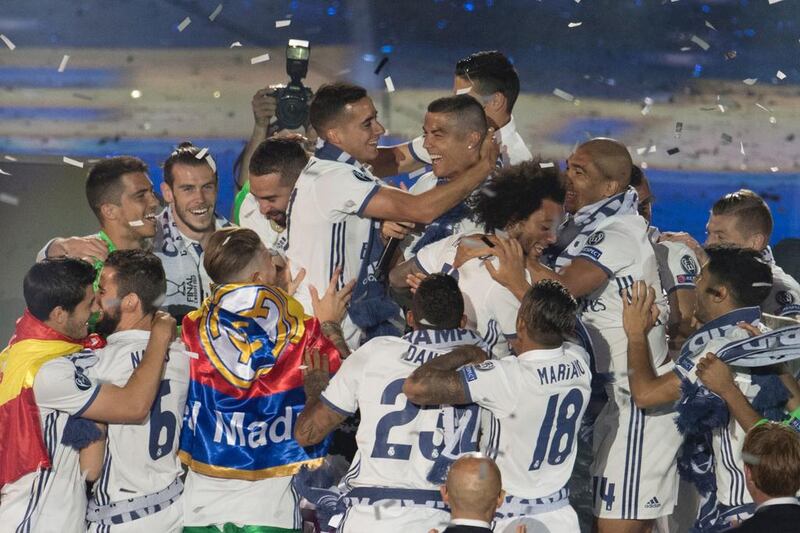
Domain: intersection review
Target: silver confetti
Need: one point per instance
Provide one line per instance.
(8, 199)
(564, 95)
(214, 13)
(185, 22)
(63, 64)
(73, 162)
(389, 84)
(700, 42)
(259, 59)
(8, 42)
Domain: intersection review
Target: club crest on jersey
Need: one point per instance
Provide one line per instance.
(81, 381)
(361, 176)
(486, 365)
(688, 265)
(596, 238)
(784, 298)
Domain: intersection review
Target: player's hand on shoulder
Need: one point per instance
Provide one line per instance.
(688, 240)
(90, 248)
(164, 326)
(715, 374)
(639, 311)
(490, 150)
(332, 307)
(510, 272)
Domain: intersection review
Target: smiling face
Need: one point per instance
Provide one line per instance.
(138, 205)
(538, 231)
(272, 196)
(109, 302)
(193, 196)
(724, 229)
(584, 182)
(451, 149)
(357, 130)
(77, 322)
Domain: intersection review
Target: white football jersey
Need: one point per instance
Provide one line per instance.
(512, 148)
(677, 263)
(53, 500)
(784, 298)
(621, 248)
(533, 405)
(141, 459)
(398, 441)
(273, 236)
(491, 309)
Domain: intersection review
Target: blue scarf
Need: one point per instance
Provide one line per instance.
(444, 226)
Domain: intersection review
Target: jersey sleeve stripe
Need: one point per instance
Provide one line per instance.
(89, 401)
(369, 196)
(335, 407)
(420, 267)
(608, 272)
(465, 384)
(674, 288)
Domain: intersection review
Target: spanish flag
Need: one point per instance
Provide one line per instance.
(22, 448)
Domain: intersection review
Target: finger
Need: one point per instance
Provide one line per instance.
(334, 278)
(490, 268)
(315, 358)
(307, 358)
(325, 363)
(347, 291)
(314, 295)
(651, 296)
(299, 278)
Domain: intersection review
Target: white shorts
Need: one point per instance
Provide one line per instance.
(167, 520)
(392, 519)
(563, 520)
(634, 472)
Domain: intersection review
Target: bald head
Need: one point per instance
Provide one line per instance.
(611, 158)
(474, 487)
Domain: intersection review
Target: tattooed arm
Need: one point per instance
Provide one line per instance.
(437, 381)
(317, 419)
(333, 331)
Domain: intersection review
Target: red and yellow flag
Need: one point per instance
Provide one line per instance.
(22, 448)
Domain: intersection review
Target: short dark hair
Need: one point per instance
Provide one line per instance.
(490, 72)
(438, 303)
(285, 157)
(514, 193)
(548, 313)
(637, 176)
(742, 270)
(330, 101)
(751, 211)
(772, 451)
(104, 181)
(468, 112)
(141, 273)
(229, 251)
(59, 282)
(185, 154)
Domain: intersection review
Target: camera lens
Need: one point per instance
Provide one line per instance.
(292, 111)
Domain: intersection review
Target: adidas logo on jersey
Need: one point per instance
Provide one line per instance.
(653, 503)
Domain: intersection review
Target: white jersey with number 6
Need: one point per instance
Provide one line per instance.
(141, 459)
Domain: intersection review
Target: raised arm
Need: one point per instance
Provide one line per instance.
(264, 105)
(581, 277)
(437, 381)
(717, 378)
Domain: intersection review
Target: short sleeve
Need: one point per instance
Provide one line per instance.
(418, 151)
(436, 256)
(607, 247)
(490, 385)
(503, 306)
(345, 189)
(62, 386)
(341, 394)
(677, 264)
(784, 300)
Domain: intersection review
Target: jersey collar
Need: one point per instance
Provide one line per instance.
(534, 355)
(127, 336)
(329, 152)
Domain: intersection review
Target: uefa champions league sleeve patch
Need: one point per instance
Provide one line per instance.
(469, 373)
(596, 238)
(82, 381)
(361, 176)
(689, 265)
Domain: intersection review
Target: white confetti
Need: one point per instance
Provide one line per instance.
(302, 367)
(774, 169)
(741, 147)
(9, 158)
(298, 42)
(574, 24)
(709, 25)
(685, 48)
(135, 223)
(214, 13)
(780, 75)
(202, 153)
(282, 23)
(63, 64)
(185, 22)
(773, 120)
(774, 1)
(721, 108)
(640, 151)
(73, 162)
(464, 90)
(8, 42)
(643, 165)
(259, 59)
(136, 93)
(389, 84)
(547, 164)
(750, 81)
(235, 44)
(564, 95)
(226, 240)
(8, 199)
(768, 110)
(4, 173)
(211, 163)
(700, 42)
(652, 149)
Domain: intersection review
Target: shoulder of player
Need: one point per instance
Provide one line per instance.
(317, 169)
(370, 350)
(628, 224)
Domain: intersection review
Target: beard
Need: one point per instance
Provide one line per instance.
(186, 218)
(108, 323)
(277, 217)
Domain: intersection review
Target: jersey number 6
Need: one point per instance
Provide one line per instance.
(159, 422)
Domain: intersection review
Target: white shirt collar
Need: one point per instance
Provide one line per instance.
(507, 131)
(128, 335)
(552, 353)
(786, 500)
(469, 522)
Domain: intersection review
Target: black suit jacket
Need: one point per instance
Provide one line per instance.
(773, 518)
(467, 529)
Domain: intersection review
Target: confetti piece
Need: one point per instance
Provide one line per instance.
(730, 54)
(214, 13)
(298, 42)
(774, 1)
(780, 75)
(773, 120)
(136, 93)
(63, 64)
(259, 59)
(8, 42)
(700, 42)
(282, 23)
(202, 153)
(685, 48)
(216, 94)
(185, 22)
(135, 223)
(4, 173)
(768, 110)
(574, 24)
(709, 25)
(750, 81)
(389, 84)
(640, 151)
(547, 164)
(464, 90)
(643, 165)
(9, 158)
(235, 44)
(211, 163)
(301, 367)
(774, 169)
(8, 199)
(564, 95)
(673, 151)
(381, 64)
(727, 139)
(678, 127)
(721, 108)
(652, 149)
(226, 242)
(741, 147)
(73, 162)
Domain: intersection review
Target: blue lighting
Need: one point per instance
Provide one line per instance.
(469, 6)
(331, 11)
(387, 49)
(698, 69)
(369, 58)
(442, 24)
(749, 32)
(293, 5)
(706, 9)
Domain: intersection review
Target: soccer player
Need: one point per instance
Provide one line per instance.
(335, 196)
(524, 202)
(44, 383)
(138, 486)
(743, 218)
(730, 286)
(608, 250)
(532, 404)
(677, 267)
(398, 442)
(121, 196)
(186, 225)
(491, 79)
(274, 168)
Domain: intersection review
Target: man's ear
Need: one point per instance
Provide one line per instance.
(463, 322)
(758, 241)
(722, 293)
(166, 192)
(443, 491)
(109, 211)
(58, 316)
(500, 497)
(497, 102)
(333, 135)
(130, 302)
